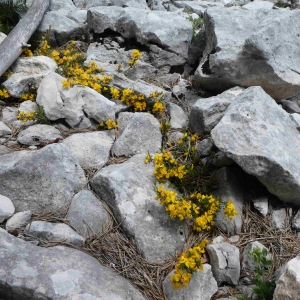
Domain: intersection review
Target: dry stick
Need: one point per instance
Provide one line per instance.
(11, 47)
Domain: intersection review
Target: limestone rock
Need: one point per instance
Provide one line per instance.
(7, 208)
(31, 273)
(140, 133)
(91, 149)
(28, 71)
(229, 188)
(198, 7)
(145, 26)
(202, 286)
(27, 106)
(54, 232)
(44, 180)
(128, 190)
(287, 281)
(37, 134)
(258, 5)
(260, 137)
(87, 214)
(262, 205)
(4, 129)
(225, 262)
(178, 118)
(122, 3)
(18, 220)
(278, 217)
(290, 106)
(262, 52)
(205, 146)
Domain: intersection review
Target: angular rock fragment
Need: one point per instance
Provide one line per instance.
(178, 118)
(87, 214)
(140, 133)
(260, 137)
(58, 273)
(18, 220)
(54, 232)
(39, 134)
(7, 208)
(225, 262)
(251, 48)
(44, 180)
(28, 72)
(128, 190)
(91, 149)
(4, 129)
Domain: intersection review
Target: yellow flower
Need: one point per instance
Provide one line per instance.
(136, 54)
(230, 210)
(66, 84)
(115, 93)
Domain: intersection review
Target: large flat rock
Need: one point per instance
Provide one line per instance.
(128, 190)
(166, 29)
(29, 272)
(251, 47)
(43, 180)
(260, 137)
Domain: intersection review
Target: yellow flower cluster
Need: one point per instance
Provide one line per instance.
(26, 52)
(187, 264)
(30, 116)
(135, 55)
(115, 93)
(28, 96)
(4, 94)
(230, 210)
(166, 167)
(137, 101)
(43, 48)
(109, 124)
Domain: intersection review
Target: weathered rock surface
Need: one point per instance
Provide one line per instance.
(140, 133)
(54, 232)
(260, 137)
(7, 208)
(229, 188)
(76, 105)
(178, 118)
(37, 134)
(278, 218)
(59, 273)
(259, 5)
(87, 214)
(44, 180)
(28, 71)
(202, 286)
(123, 3)
(249, 48)
(18, 220)
(4, 149)
(91, 149)
(145, 26)
(225, 262)
(287, 280)
(128, 190)
(4, 129)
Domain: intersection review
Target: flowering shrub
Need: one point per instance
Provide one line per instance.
(25, 117)
(183, 168)
(188, 263)
(4, 94)
(135, 55)
(109, 124)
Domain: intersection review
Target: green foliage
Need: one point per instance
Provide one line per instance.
(264, 283)
(41, 117)
(197, 24)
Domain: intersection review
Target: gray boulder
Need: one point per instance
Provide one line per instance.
(147, 27)
(260, 137)
(140, 133)
(7, 208)
(205, 146)
(58, 273)
(54, 232)
(202, 286)
(287, 281)
(28, 71)
(229, 188)
(4, 129)
(207, 112)
(63, 28)
(44, 180)
(225, 262)
(178, 118)
(87, 214)
(76, 105)
(91, 149)
(37, 134)
(249, 48)
(128, 190)
(18, 220)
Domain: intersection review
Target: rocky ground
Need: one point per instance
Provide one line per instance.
(78, 214)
